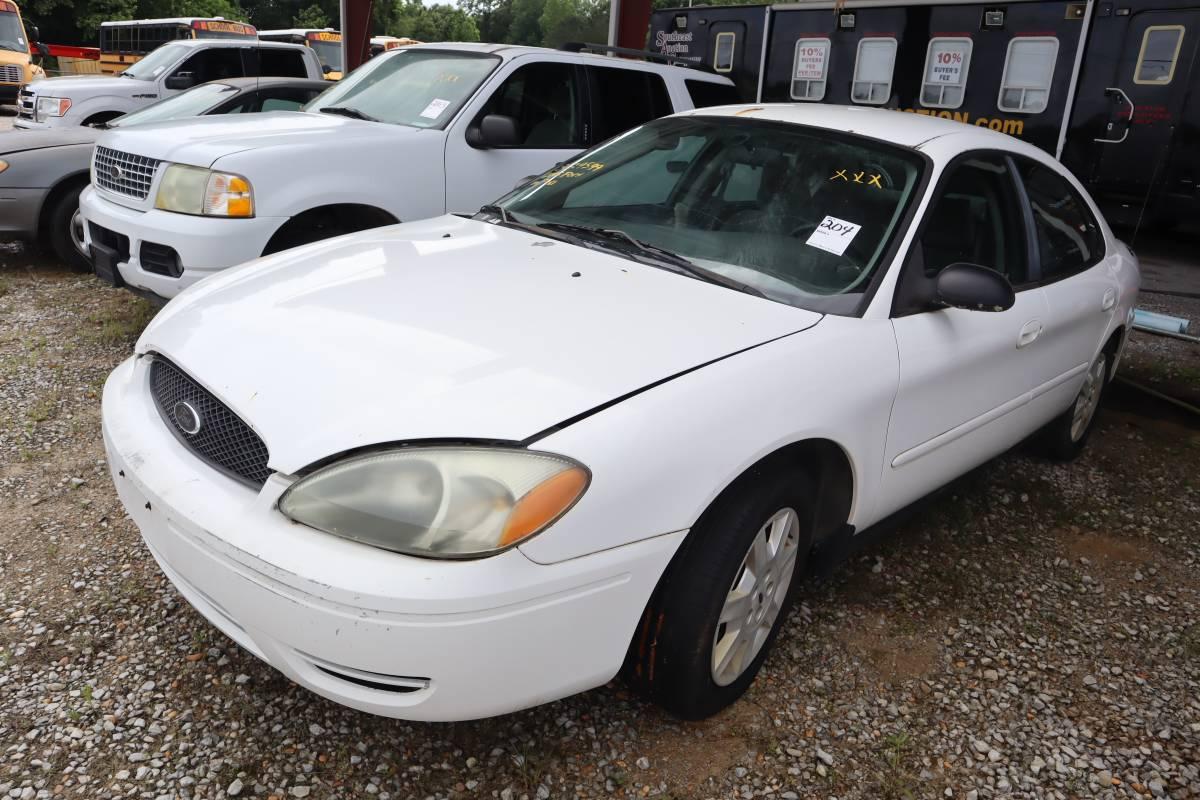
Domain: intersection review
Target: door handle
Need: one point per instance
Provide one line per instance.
(1128, 120)
(1030, 331)
(1110, 300)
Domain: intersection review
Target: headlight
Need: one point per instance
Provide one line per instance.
(195, 190)
(51, 107)
(444, 502)
(3, 165)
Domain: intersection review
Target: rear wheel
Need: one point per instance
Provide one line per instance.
(719, 607)
(1066, 436)
(64, 230)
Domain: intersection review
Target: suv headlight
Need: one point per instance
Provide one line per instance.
(440, 502)
(195, 190)
(51, 107)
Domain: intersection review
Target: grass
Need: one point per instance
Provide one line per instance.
(44, 408)
(121, 325)
(896, 781)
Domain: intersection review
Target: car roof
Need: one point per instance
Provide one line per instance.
(903, 128)
(270, 82)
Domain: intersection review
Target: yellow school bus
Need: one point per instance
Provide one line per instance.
(125, 42)
(381, 44)
(325, 42)
(16, 57)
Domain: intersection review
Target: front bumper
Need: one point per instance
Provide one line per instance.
(204, 245)
(403, 637)
(19, 210)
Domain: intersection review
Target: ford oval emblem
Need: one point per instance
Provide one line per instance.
(115, 172)
(187, 418)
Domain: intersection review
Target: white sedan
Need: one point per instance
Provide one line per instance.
(459, 467)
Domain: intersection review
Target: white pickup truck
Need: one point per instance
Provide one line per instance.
(416, 132)
(167, 70)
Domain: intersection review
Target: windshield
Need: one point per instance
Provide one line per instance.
(192, 103)
(803, 215)
(12, 35)
(420, 88)
(328, 53)
(158, 60)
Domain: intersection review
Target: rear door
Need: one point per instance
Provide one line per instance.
(1147, 95)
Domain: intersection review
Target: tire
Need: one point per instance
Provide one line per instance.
(1065, 437)
(64, 232)
(677, 656)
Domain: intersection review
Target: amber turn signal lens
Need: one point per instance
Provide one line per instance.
(543, 504)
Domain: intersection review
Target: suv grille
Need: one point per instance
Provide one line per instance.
(10, 73)
(25, 104)
(124, 173)
(221, 439)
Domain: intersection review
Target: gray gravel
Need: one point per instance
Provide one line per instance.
(1033, 633)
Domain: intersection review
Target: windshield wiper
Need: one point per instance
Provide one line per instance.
(347, 111)
(659, 254)
(496, 211)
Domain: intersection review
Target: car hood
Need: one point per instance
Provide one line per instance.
(445, 329)
(200, 141)
(20, 141)
(75, 86)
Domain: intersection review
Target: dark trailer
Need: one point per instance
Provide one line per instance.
(1103, 86)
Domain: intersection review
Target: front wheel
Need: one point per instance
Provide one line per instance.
(64, 230)
(707, 630)
(1066, 436)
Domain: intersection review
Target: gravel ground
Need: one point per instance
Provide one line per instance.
(1032, 633)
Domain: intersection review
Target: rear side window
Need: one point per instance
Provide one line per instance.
(873, 70)
(1160, 51)
(947, 64)
(810, 69)
(625, 98)
(1068, 236)
(706, 93)
(1028, 73)
(274, 62)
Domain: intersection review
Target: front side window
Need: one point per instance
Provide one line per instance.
(1159, 52)
(803, 215)
(947, 64)
(214, 64)
(153, 65)
(12, 36)
(976, 219)
(873, 68)
(416, 87)
(544, 100)
(625, 98)
(810, 69)
(1068, 237)
(1028, 74)
(723, 51)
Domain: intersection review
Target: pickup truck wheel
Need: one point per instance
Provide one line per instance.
(1066, 436)
(64, 230)
(724, 598)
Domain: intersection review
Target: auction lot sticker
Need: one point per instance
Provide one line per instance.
(833, 235)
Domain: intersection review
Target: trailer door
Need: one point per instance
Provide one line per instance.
(1147, 96)
(727, 46)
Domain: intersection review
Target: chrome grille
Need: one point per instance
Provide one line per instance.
(10, 73)
(124, 173)
(25, 104)
(222, 440)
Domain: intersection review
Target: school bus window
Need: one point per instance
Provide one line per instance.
(723, 52)
(873, 68)
(947, 64)
(1028, 74)
(1160, 51)
(810, 69)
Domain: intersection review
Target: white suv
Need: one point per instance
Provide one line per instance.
(167, 70)
(414, 133)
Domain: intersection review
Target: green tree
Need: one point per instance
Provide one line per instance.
(565, 21)
(492, 17)
(311, 17)
(526, 27)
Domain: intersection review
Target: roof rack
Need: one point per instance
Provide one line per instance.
(649, 55)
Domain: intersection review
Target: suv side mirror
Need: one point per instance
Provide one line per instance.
(181, 80)
(495, 130)
(972, 287)
(326, 69)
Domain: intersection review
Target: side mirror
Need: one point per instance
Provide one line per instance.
(181, 80)
(974, 288)
(326, 69)
(32, 32)
(495, 130)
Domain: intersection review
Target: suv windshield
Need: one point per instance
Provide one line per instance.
(421, 88)
(158, 60)
(802, 215)
(11, 35)
(191, 103)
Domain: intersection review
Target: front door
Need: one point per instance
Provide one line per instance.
(1147, 95)
(545, 98)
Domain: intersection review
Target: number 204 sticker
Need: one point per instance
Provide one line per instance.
(833, 235)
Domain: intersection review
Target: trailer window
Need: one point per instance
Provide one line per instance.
(1028, 73)
(810, 69)
(947, 63)
(723, 52)
(873, 68)
(1160, 51)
